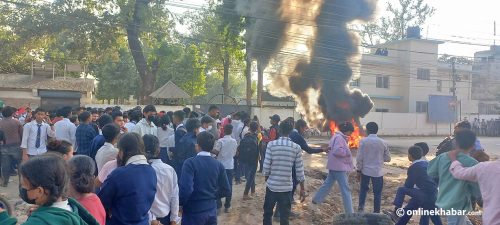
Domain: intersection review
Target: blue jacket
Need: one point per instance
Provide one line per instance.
(417, 175)
(128, 193)
(85, 134)
(97, 143)
(203, 180)
(185, 149)
(298, 139)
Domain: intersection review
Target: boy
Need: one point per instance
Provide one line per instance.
(108, 151)
(425, 149)
(36, 135)
(372, 154)
(85, 134)
(206, 121)
(420, 187)
(225, 149)
(455, 194)
(203, 180)
(186, 147)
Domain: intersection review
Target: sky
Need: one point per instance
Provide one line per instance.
(467, 22)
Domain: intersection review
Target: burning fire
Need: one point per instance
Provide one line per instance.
(355, 136)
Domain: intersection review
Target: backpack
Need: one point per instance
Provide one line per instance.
(249, 149)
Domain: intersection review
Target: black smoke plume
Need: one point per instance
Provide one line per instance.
(334, 53)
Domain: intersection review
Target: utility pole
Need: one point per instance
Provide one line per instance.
(453, 88)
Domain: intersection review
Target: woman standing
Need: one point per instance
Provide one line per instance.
(339, 165)
(129, 191)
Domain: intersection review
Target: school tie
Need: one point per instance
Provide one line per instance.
(38, 134)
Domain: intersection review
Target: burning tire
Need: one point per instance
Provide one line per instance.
(362, 219)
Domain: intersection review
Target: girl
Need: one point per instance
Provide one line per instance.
(43, 182)
(62, 148)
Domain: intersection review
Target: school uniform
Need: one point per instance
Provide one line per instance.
(203, 180)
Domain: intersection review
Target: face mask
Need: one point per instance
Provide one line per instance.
(23, 193)
(151, 118)
(209, 128)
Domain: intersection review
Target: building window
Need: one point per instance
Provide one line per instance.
(439, 85)
(382, 81)
(355, 83)
(381, 110)
(422, 106)
(423, 74)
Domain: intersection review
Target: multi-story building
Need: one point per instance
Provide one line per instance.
(400, 76)
(486, 80)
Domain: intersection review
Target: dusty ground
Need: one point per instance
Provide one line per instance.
(250, 212)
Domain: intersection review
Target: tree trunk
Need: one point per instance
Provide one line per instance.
(225, 84)
(260, 85)
(133, 32)
(248, 76)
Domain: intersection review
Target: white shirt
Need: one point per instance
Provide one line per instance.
(137, 160)
(62, 205)
(227, 150)
(65, 130)
(143, 128)
(164, 135)
(105, 154)
(167, 191)
(30, 132)
(130, 126)
(372, 154)
(236, 124)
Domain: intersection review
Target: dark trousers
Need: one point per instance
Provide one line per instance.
(164, 156)
(10, 156)
(239, 169)
(284, 199)
(262, 156)
(165, 220)
(419, 199)
(177, 165)
(250, 170)
(227, 204)
(204, 218)
(378, 184)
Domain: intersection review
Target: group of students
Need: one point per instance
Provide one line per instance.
(156, 167)
(457, 179)
(144, 170)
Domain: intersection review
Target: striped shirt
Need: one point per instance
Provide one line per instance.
(281, 155)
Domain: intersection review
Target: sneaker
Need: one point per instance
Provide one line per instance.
(226, 210)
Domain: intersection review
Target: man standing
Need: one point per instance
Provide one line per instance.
(214, 112)
(281, 155)
(146, 125)
(65, 129)
(35, 135)
(134, 117)
(185, 149)
(272, 135)
(372, 154)
(10, 152)
(85, 133)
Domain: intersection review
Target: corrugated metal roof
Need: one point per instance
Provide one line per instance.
(22, 81)
(169, 90)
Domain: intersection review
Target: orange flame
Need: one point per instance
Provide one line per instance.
(355, 136)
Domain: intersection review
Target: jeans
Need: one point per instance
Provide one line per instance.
(165, 220)
(227, 203)
(418, 200)
(284, 199)
(250, 170)
(458, 220)
(262, 155)
(341, 178)
(378, 184)
(164, 156)
(10, 155)
(237, 170)
(204, 218)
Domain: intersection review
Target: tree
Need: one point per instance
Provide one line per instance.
(403, 14)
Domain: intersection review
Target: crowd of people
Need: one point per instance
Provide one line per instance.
(147, 167)
(490, 128)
